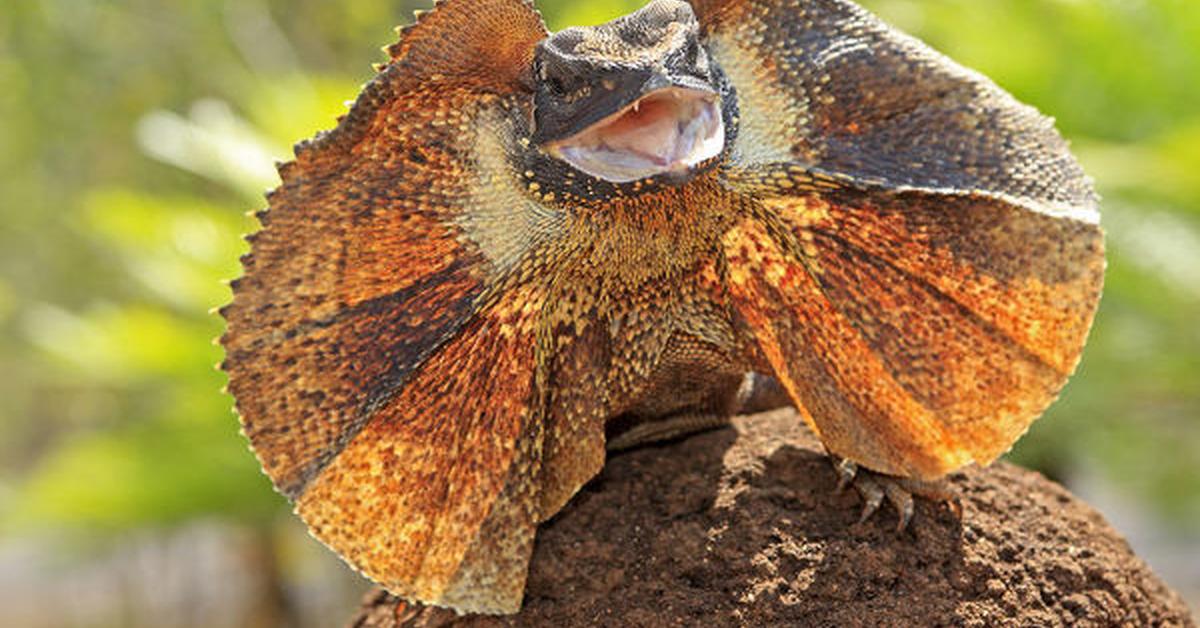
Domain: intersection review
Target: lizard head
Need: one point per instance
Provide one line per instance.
(630, 99)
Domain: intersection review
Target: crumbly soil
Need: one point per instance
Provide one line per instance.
(741, 527)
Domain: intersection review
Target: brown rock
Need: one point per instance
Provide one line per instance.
(741, 527)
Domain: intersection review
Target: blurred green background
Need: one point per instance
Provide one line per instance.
(136, 134)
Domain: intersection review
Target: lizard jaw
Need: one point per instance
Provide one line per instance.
(667, 130)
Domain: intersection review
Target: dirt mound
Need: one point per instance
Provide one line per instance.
(741, 527)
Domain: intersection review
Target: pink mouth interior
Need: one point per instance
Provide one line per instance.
(667, 130)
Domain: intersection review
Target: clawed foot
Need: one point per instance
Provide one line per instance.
(874, 487)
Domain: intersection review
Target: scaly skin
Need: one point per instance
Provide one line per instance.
(439, 319)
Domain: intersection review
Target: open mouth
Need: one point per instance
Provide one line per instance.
(667, 130)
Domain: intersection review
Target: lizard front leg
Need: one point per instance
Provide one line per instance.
(874, 487)
(696, 390)
(755, 393)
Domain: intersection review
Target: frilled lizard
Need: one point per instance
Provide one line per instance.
(515, 241)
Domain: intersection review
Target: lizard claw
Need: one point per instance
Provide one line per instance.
(846, 471)
(902, 501)
(872, 495)
(874, 487)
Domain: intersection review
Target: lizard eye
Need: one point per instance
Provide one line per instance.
(558, 86)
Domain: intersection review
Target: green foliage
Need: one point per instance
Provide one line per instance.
(135, 134)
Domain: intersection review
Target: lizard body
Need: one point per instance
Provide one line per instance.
(515, 241)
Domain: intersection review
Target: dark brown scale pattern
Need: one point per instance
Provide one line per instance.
(862, 116)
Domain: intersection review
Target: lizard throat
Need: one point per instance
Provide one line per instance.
(668, 130)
